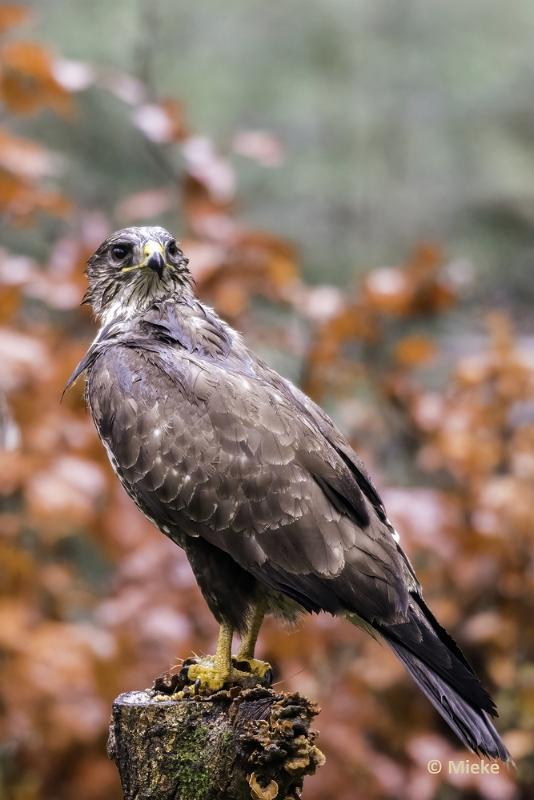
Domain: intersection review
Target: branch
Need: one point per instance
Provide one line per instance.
(248, 744)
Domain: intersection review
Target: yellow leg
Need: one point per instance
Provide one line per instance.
(212, 672)
(248, 642)
(248, 645)
(222, 660)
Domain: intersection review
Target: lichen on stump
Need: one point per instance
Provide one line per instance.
(237, 744)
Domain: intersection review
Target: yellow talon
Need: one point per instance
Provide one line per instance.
(208, 676)
(254, 665)
(213, 673)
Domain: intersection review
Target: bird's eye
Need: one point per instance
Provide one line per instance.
(172, 248)
(120, 251)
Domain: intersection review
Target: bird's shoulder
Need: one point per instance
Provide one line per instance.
(187, 349)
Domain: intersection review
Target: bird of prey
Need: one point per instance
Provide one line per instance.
(273, 507)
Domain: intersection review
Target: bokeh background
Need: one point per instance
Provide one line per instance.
(354, 184)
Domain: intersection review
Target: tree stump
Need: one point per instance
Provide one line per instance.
(237, 744)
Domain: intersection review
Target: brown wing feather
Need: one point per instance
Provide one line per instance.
(226, 456)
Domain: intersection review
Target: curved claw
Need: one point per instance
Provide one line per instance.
(203, 676)
(261, 669)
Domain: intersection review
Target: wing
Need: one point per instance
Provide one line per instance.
(239, 460)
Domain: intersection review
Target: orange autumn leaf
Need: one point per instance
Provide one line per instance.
(27, 80)
(282, 271)
(425, 261)
(413, 351)
(231, 297)
(21, 199)
(388, 290)
(11, 15)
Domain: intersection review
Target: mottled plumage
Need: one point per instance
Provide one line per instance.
(250, 477)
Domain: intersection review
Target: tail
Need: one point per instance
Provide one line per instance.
(441, 671)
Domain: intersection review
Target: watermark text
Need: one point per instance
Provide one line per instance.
(464, 766)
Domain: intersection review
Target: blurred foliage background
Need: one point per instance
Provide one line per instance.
(353, 183)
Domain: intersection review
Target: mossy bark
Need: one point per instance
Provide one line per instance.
(233, 745)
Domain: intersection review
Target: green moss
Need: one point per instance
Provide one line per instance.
(190, 763)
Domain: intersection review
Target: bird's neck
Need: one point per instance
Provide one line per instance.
(138, 304)
(183, 321)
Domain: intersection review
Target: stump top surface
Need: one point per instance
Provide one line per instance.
(137, 698)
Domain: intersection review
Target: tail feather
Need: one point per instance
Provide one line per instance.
(472, 725)
(440, 669)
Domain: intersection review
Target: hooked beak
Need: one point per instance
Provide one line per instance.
(154, 257)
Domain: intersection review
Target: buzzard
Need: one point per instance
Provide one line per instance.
(274, 509)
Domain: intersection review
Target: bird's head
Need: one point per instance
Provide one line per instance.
(134, 268)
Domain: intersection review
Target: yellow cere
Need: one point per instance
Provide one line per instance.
(149, 249)
(152, 247)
